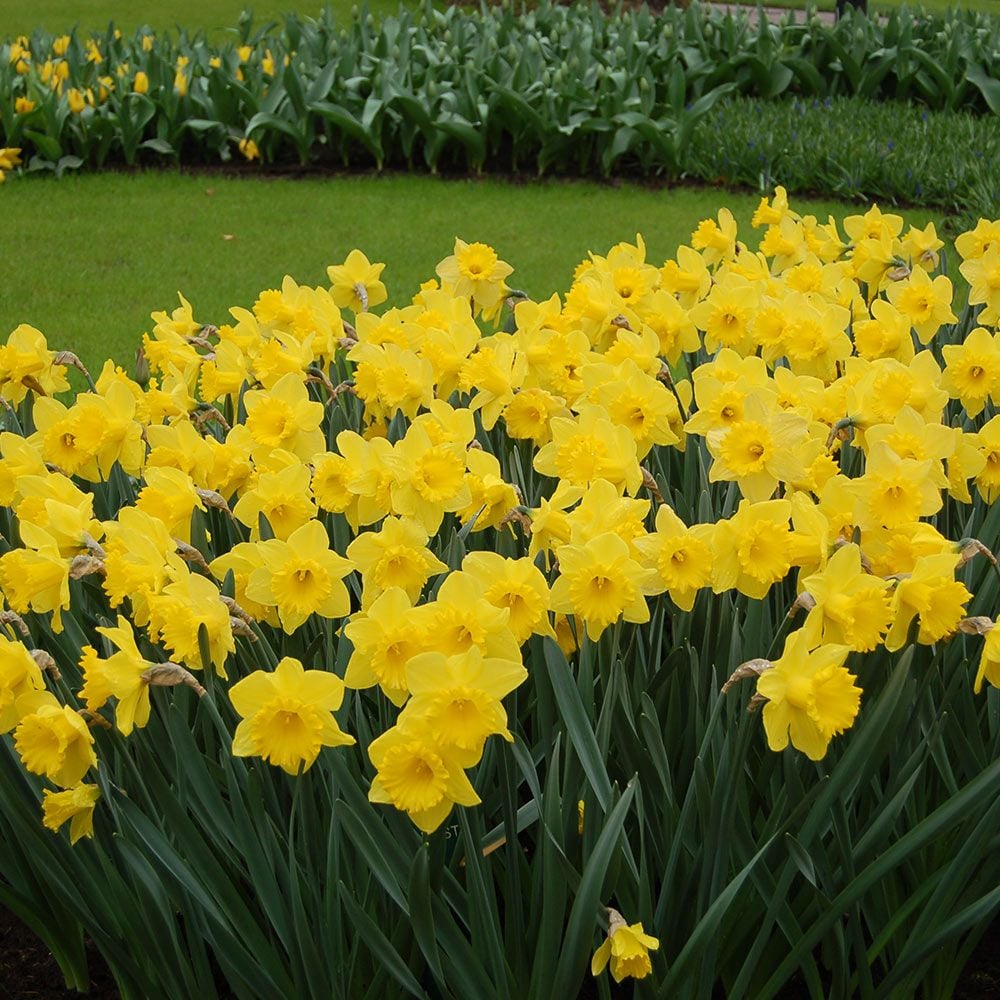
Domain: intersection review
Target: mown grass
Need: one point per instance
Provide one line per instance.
(96, 254)
(213, 16)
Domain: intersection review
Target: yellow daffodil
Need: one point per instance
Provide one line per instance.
(356, 283)
(517, 585)
(716, 239)
(181, 610)
(301, 577)
(752, 550)
(37, 579)
(74, 806)
(287, 715)
(140, 559)
(972, 370)
(171, 497)
(491, 497)
(932, 593)
(120, 676)
(983, 275)
(429, 478)
(925, 301)
(627, 948)
(851, 607)
(474, 271)
(53, 740)
(419, 774)
(19, 675)
(589, 448)
(758, 451)
(460, 698)
(27, 363)
(11, 157)
(725, 315)
(394, 556)
(385, 637)
(987, 440)
(989, 660)
(895, 490)
(681, 555)
(282, 498)
(461, 617)
(600, 582)
(811, 696)
(687, 278)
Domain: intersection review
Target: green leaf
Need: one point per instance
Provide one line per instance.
(349, 125)
(988, 86)
(293, 85)
(158, 146)
(707, 927)
(266, 120)
(319, 89)
(984, 788)
(421, 910)
(578, 726)
(468, 134)
(376, 857)
(203, 125)
(48, 146)
(578, 941)
(379, 945)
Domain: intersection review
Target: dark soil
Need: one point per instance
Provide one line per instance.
(28, 971)
(981, 978)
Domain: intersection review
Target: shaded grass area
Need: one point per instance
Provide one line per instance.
(96, 254)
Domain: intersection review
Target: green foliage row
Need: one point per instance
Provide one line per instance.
(853, 149)
(558, 88)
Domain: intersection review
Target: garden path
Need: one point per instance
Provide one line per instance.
(773, 13)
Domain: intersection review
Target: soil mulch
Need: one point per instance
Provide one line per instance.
(28, 971)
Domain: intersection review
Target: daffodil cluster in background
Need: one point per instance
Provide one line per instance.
(9, 159)
(325, 503)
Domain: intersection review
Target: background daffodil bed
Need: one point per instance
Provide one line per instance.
(365, 651)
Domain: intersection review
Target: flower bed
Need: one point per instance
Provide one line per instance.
(368, 650)
(564, 89)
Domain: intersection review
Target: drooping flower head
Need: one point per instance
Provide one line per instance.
(53, 740)
(74, 806)
(627, 947)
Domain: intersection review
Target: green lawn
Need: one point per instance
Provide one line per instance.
(93, 255)
(215, 16)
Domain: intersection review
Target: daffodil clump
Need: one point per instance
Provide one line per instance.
(342, 448)
(324, 504)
